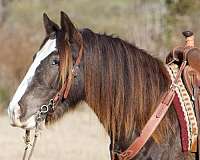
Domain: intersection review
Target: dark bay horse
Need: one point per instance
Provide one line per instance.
(121, 83)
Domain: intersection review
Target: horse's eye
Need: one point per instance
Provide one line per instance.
(55, 62)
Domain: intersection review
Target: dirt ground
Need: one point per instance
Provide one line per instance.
(78, 136)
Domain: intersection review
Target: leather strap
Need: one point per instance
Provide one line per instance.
(150, 127)
(64, 90)
(188, 71)
(154, 120)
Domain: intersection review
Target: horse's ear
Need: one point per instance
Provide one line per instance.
(49, 25)
(71, 33)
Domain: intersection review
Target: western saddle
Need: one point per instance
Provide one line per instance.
(191, 80)
(190, 54)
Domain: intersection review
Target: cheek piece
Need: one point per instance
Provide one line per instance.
(51, 106)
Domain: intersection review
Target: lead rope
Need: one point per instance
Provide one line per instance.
(27, 143)
(40, 118)
(33, 145)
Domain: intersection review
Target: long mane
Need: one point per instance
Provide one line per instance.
(123, 85)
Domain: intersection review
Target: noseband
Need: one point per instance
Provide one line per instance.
(52, 104)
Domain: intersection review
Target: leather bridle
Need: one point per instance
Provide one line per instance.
(52, 104)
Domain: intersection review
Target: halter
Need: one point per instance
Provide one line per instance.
(51, 106)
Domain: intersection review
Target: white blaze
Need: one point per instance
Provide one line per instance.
(46, 50)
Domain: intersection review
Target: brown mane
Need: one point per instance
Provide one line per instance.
(123, 85)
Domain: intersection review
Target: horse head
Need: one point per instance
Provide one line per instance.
(51, 66)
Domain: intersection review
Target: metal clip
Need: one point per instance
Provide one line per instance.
(44, 109)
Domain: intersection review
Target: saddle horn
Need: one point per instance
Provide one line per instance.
(180, 53)
(189, 38)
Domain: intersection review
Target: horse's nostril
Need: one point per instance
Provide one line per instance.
(17, 111)
(15, 116)
(22, 109)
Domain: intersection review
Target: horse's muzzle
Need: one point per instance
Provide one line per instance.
(15, 114)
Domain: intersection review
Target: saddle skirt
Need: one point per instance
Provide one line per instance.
(184, 105)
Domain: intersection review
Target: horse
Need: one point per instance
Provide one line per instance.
(122, 84)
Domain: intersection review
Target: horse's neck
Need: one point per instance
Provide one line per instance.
(169, 148)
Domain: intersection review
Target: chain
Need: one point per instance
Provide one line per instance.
(40, 117)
